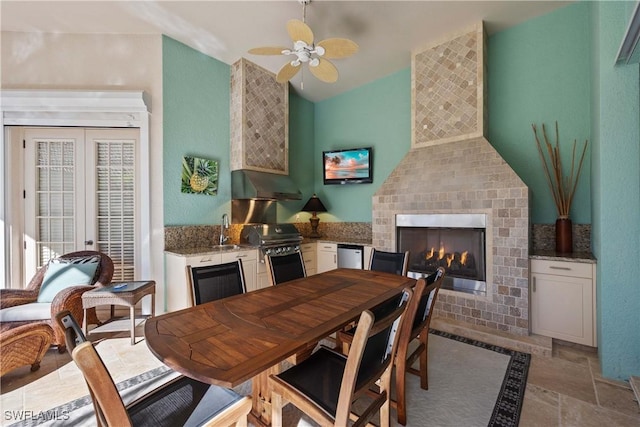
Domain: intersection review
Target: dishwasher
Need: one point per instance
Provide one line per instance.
(350, 256)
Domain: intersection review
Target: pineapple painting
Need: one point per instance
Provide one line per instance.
(199, 176)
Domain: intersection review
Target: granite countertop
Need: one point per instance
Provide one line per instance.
(585, 257)
(207, 250)
(342, 240)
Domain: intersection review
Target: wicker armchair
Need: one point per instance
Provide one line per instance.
(68, 299)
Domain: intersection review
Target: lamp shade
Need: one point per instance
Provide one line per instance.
(314, 205)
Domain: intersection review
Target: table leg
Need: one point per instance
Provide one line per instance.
(261, 396)
(132, 313)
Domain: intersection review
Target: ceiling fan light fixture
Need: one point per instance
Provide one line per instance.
(304, 48)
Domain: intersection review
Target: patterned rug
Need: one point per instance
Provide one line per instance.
(506, 411)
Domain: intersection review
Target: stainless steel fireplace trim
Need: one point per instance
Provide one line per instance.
(472, 220)
(442, 220)
(458, 284)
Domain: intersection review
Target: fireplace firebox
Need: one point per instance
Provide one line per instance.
(453, 241)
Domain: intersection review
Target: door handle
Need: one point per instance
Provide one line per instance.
(88, 242)
(534, 284)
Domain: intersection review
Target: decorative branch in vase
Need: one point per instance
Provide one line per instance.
(563, 188)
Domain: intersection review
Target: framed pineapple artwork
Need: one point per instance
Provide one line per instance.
(199, 176)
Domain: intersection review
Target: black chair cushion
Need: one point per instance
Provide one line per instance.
(183, 402)
(388, 262)
(319, 378)
(287, 267)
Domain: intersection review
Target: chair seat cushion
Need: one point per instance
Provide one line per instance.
(61, 275)
(182, 402)
(319, 378)
(26, 312)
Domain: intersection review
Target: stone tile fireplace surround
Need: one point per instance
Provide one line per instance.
(451, 168)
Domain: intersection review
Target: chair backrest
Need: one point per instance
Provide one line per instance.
(418, 314)
(389, 262)
(426, 299)
(108, 405)
(283, 268)
(370, 356)
(104, 272)
(215, 282)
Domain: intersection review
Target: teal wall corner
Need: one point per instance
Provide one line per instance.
(302, 162)
(375, 115)
(196, 123)
(540, 72)
(616, 194)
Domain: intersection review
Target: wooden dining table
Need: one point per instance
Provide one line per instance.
(229, 341)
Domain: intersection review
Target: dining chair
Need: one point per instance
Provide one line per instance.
(389, 262)
(326, 385)
(418, 318)
(181, 401)
(283, 268)
(215, 282)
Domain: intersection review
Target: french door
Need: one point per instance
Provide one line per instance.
(80, 194)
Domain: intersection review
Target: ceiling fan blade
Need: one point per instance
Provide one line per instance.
(287, 72)
(338, 48)
(267, 50)
(298, 30)
(325, 71)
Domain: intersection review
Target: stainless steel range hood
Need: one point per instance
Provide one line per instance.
(248, 184)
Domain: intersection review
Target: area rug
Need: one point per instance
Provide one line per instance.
(471, 383)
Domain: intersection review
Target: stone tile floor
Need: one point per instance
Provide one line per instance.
(564, 389)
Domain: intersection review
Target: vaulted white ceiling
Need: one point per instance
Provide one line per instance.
(386, 31)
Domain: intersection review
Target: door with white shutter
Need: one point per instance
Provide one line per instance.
(80, 193)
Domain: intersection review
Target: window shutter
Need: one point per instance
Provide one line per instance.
(115, 198)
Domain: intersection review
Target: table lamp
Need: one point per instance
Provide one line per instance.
(314, 205)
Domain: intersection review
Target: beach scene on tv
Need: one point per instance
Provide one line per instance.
(346, 164)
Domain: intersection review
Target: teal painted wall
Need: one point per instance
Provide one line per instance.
(377, 115)
(539, 72)
(616, 193)
(196, 123)
(301, 160)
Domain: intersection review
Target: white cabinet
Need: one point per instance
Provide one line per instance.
(178, 292)
(367, 257)
(249, 259)
(563, 300)
(327, 257)
(309, 257)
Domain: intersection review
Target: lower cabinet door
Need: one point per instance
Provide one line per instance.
(562, 307)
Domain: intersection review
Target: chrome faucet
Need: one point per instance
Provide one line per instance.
(225, 226)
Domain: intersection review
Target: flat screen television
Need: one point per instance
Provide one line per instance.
(349, 166)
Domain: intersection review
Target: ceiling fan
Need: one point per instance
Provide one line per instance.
(305, 51)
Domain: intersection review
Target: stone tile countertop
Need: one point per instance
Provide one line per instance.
(584, 257)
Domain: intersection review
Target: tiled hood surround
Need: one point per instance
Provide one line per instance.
(452, 168)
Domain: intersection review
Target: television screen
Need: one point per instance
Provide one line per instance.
(350, 166)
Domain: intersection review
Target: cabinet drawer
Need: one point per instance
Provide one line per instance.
(248, 255)
(308, 247)
(562, 268)
(203, 260)
(328, 247)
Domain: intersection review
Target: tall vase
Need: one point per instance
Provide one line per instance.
(564, 237)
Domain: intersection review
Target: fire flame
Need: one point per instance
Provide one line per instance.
(463, 257)
(441, 252)
(449, 259)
